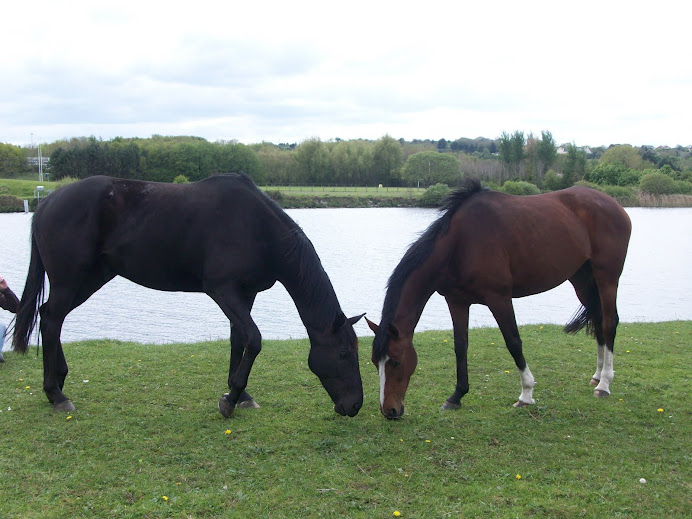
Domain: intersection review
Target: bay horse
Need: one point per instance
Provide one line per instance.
(489, 247)
(222, 236)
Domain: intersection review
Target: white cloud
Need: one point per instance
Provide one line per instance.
(592, 73)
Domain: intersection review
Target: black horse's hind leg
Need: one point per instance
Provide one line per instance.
(245, 400)
(503, 311)
(60, 303)
(460, 321)
(54, 364)
(246, 337)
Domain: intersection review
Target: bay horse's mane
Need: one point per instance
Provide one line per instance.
(417, 254)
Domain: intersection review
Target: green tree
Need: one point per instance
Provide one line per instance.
(575, 166)
(12, 160)
(431, 167)
(546, 153)
(387, 161)
(623, 154)
(312, 159)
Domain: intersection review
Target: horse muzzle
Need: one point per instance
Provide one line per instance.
(392, 413)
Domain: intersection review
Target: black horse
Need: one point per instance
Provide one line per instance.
(221, 236)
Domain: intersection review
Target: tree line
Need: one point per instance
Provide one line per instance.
(387, 161)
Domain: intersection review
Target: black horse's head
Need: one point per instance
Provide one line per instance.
(334, 359)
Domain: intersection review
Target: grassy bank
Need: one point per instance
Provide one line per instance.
(13, 191)
(147, 441)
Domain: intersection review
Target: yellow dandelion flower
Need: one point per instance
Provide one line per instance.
(627, 351)
(445, 340)
(518, 476)
(228, 431)
(660, 410)
(427, 441)
(396, 513)
(165, 498)
(69, 417)
(506, 371)
(27, 387)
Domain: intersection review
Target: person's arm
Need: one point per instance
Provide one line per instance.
(8, 300)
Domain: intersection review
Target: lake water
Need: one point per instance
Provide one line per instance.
(359, 248)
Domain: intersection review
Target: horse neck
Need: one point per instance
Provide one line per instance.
(413, 295)
(307, 283)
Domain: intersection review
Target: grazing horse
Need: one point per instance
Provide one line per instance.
(489, 247)
(221, 236)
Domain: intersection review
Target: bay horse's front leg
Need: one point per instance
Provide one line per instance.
(503, 311)
(460, 321)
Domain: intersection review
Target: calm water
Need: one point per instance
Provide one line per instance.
(359, 249)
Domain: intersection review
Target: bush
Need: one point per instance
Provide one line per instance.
(10, 204)
(657, 184)
(181, 179)
(683, 187)
(434, 195)
(552, 181)
(520, 188)
(619, 192)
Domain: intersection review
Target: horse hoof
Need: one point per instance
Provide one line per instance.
(248, 404)
(65, 406)
(225, 408)
(594, 382)
(600, 393)
(449, 405)
(519, 403)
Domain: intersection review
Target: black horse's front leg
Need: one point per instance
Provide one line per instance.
(460, 321)
(245, 400)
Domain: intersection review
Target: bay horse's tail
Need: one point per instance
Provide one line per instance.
(589, 313)
(32, 299)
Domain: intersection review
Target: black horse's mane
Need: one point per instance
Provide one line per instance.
(416, 255)
(313, 283)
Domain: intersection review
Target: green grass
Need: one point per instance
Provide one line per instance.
(146, 426)
(24, 189)
(350, 191)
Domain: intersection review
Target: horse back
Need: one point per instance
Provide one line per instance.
(163, 236)
(529, 244)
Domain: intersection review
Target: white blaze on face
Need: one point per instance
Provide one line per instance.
(380, 370)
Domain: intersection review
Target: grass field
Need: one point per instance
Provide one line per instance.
(146, 439)
(351, 191)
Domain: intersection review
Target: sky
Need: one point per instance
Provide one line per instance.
(591, 72)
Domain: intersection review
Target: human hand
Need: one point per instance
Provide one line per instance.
(3, 283)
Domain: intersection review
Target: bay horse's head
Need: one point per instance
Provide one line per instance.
(395, 359)
(334, 359)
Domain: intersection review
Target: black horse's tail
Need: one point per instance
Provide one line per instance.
(588, 314)
(32, 299)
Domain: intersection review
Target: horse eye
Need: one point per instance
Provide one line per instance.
(394, 363)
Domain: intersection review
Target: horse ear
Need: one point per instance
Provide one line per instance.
(353, 320)
(372, 325)
(393, 331)
(339, 321)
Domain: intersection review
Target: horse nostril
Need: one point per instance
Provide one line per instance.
(392, 414)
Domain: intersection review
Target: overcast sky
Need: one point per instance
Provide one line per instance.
(593, 73)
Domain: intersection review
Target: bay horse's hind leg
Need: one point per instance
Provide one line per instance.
(608, 292)
(591, 316)
(503, 311)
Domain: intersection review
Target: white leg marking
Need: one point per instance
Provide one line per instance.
(599, 365)
(607, 372)
(527, 383)
(380, 370)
